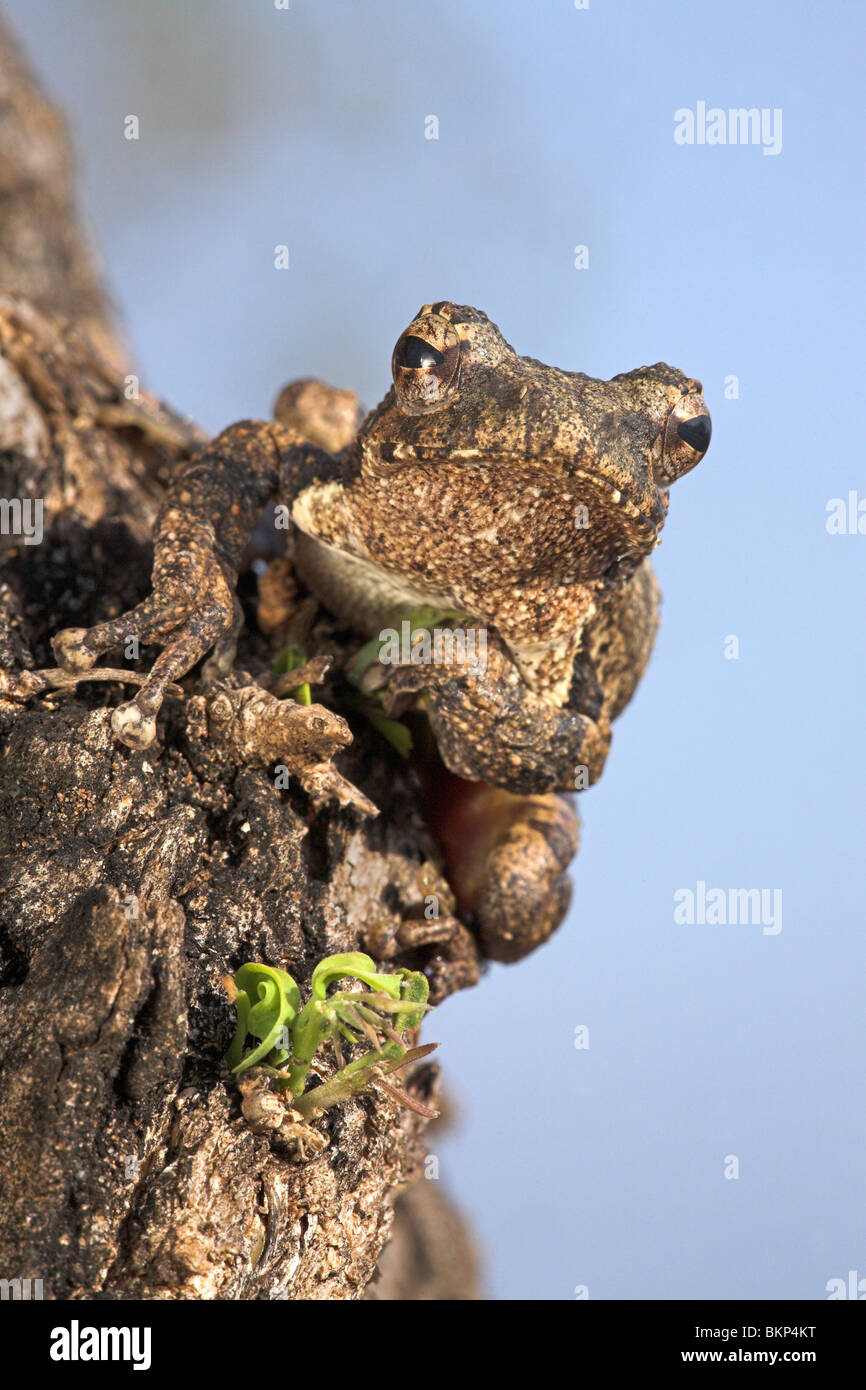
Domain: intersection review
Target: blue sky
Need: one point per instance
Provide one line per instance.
(601, 1167)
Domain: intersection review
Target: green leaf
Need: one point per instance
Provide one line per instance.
(428, 617)
(268, 1001)
(290, 659)
(362, 659)
(354, 965)
(397, 734)
(418, 619)
(321, 1017)
(235, 1052)
(414, 989)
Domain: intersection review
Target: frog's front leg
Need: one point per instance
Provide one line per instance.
(200, 534)
(490, 727)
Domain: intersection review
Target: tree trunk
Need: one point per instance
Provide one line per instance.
(133, 882)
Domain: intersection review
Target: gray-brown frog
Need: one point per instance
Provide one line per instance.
(518, 494)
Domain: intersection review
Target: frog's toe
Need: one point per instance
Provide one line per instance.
(133, 726)
(71, 650)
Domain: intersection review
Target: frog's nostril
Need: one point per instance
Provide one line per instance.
(696, 432)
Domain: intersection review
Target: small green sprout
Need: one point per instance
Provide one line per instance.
(419, 620)
(369, 702)
(292, 658)
(394, 730)
(275, 1033)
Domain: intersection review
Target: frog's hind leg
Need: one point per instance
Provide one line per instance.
(526, 891)
(506, 858)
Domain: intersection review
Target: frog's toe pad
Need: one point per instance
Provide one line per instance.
(135, 729)
(71, 651)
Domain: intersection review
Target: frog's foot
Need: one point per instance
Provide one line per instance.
(507, 858)
(192, 608)
(262, 731)
(328, 416)
(490, 727)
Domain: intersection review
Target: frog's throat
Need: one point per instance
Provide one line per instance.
(401, 455)
(356, 590)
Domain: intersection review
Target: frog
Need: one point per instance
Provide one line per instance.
(520, 499)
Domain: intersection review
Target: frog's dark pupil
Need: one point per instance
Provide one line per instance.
(414, 352)
(696, 432)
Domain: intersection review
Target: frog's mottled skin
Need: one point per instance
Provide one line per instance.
(525, 496)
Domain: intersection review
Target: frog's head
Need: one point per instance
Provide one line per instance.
(560, 446)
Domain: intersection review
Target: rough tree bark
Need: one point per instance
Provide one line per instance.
(133, 882)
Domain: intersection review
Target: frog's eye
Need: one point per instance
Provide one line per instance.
(413, 353)
(425, 365)
(696, 432)
(686, 440)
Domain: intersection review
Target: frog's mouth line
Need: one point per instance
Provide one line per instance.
(624, 503)
(405, 454)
